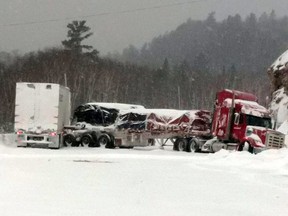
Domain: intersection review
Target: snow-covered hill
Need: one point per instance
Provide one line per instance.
(141, 182)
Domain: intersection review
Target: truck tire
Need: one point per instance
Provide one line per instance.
(180, 144)
(69, 140)
(193, 146)
(86, 140)
(126, 147)
(103, 139)
(111, 144)
(151, 142)
(95, 140)
(246, 146)
(251, 149)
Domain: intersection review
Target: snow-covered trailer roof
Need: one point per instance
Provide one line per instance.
(118, 106)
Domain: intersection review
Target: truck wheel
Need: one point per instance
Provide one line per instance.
(103, 139)
(111, 144)
(193, 146)
(180, 144)
(246, 147)
(86, 140)
(95, 140)
(251, 149)
(69, 140)
(240, 147)
(151, 142)
(126, 147)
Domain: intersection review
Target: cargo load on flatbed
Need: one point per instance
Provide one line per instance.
(93, 124)
(140, 126)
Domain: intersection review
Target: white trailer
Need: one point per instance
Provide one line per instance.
(41, 111)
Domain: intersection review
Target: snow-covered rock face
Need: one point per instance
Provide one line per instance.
(281, 63)
(279, 106)
(278, 73)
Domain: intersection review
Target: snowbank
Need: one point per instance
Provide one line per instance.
(270, 161)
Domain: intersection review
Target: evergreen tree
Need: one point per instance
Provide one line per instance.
(78, 31)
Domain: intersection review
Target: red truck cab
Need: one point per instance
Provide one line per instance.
(240, 122)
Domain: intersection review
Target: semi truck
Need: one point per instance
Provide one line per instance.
(41, 111)
(238, 122)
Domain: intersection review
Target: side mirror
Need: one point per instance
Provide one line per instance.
(236, 118)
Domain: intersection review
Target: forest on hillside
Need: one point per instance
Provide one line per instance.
(182, 69)
(246, 44)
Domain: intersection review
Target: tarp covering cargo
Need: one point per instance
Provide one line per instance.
(165, 120)
(100, 113)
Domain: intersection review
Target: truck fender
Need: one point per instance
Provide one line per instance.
(254, 142)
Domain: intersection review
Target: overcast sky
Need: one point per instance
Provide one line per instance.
(115, 23)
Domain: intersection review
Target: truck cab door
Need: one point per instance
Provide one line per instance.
(238, 127)
(222, 130)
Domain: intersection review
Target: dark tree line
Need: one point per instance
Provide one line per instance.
(178, 78)
(101, 79)
(249, 44)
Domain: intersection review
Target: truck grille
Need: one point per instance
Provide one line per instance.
(275, 140)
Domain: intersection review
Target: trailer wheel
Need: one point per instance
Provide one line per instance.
(69, 140)
(106, 140)
(151, 142)
(126, 147)
(193, 146)
(111, 142)
(180, 144)
(103, 139)
(86, 140)
(95, 140)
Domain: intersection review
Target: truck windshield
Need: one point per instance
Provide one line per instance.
(258, 121)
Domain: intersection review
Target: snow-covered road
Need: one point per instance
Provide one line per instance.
(141, 181)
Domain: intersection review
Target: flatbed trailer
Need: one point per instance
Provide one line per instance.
(144, 127)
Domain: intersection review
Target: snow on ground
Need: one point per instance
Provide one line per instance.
(140, 182)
